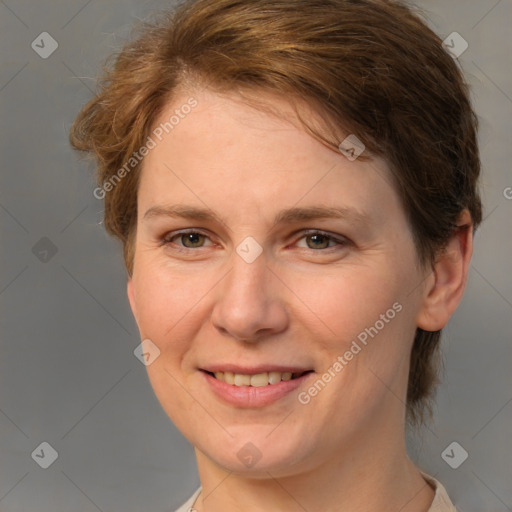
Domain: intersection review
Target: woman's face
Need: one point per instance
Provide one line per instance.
(238, 271)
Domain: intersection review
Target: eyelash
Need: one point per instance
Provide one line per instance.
(340, 241)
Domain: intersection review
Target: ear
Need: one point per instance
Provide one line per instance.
(447, 282)
(131, 297)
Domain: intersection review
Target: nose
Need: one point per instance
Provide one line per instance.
(250, 303)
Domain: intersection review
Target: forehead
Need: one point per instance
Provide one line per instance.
(229, 152)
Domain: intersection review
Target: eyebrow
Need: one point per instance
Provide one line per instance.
(289, 215)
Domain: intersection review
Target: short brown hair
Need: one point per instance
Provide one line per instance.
(369, 67)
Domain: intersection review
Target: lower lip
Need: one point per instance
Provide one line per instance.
(249, 396)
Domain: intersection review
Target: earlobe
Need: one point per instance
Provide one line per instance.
(450, 273)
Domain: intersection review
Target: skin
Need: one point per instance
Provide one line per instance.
(298, 303)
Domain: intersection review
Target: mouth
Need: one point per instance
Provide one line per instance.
(256, 380)
(254, 387)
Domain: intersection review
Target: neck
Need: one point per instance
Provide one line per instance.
(371, 472)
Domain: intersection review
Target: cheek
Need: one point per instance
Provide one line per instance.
(167, 303)
(362, 314)
(345, 302)
(169, 314)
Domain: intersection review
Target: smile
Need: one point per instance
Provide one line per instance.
(253, 387)
(256, 380)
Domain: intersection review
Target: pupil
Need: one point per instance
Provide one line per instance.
(192, 238)
(316, 237)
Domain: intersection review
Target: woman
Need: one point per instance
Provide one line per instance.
(295, 186)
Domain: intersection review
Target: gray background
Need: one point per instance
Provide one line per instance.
(68, 375)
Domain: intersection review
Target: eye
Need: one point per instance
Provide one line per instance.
(194, 239)
(318, 240)
(188, 239)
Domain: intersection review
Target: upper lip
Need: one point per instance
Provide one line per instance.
(252, 370)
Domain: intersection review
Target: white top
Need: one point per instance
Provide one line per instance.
(441, 502)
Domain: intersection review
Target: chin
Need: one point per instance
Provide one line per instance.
(254, 452)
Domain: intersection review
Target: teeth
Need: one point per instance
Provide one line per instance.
(242, 380)
(257, 380)
(274, 377)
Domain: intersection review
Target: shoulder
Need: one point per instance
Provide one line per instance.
(441, 502)
(187, 506)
